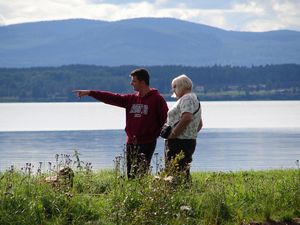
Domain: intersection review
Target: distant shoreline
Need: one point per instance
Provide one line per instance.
(210, 83)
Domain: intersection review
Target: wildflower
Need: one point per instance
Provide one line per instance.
(169, 179)
(51, 179)
(185, 208)
(156, 177)
(69, 195)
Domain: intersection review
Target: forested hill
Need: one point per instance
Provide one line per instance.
(211, 83)
(141, 41)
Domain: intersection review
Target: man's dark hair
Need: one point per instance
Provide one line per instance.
(141, 74)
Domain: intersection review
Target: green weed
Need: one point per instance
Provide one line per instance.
(108, 197)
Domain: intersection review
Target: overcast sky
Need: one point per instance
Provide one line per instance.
(238, 15)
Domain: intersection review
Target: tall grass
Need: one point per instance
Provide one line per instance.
(105, 197)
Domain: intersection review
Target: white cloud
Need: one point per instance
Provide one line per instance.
(2, 20)
(245, 15)
(250, 7)
(263, 15)
(161, 2)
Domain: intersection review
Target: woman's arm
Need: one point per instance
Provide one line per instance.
(184, 121)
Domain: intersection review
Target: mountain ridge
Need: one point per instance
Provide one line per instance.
(141, 41)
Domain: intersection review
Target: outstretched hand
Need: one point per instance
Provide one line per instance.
(81, 93)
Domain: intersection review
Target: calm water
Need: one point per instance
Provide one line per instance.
(99, 116)
(237, 135)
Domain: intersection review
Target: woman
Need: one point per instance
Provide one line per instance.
(185, 119)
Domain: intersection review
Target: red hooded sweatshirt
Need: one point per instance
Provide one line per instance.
(145, 115)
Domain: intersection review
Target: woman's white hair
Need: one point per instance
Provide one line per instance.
(182, 83)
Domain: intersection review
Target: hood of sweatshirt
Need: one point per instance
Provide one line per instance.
(152, 91)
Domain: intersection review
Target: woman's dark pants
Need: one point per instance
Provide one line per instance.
(173, 149)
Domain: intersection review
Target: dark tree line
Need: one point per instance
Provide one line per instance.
(211, 82)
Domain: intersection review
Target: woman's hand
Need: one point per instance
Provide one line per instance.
(81, 93)
(172, 135)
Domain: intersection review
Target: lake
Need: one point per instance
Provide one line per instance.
(238, 135)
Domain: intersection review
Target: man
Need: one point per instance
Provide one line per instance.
(146, 112)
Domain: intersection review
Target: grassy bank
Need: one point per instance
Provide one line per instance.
(104, 198)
